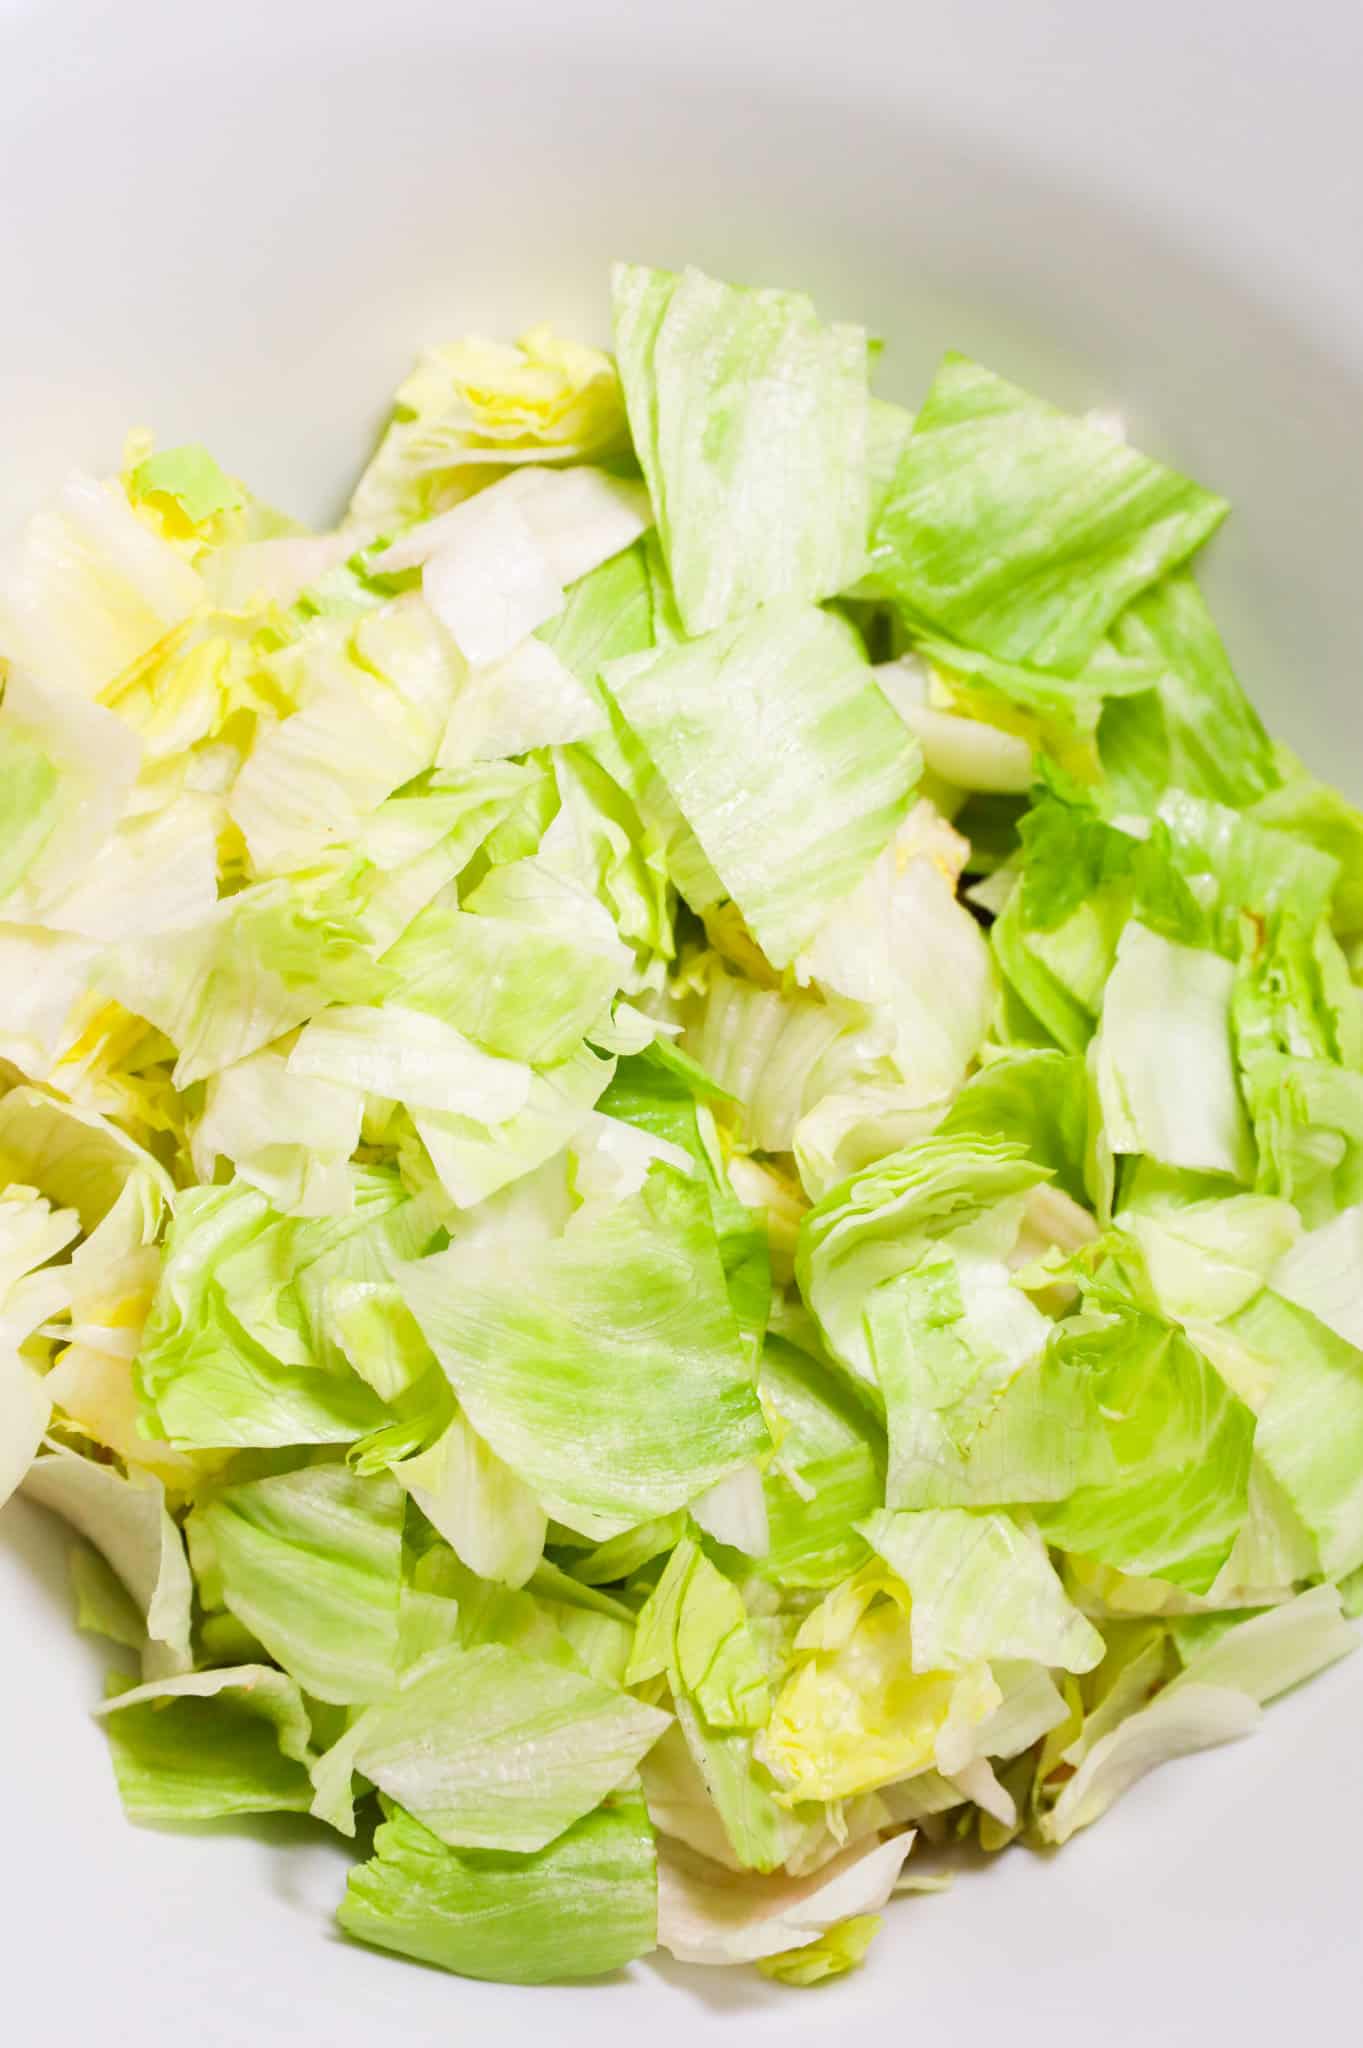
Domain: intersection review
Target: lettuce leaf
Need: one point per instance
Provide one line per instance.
(1310, 1432)
(90, 590)
(749, 419)
(857, 1712)
(311, 1563)
(206, 1376)
(1164, 1067)
(981, 1587)
(524, 968)
(263, 962)
(491, 1748)
(782, 755)
(653, 1094)
(583, 1906)
(610, 1420)
(982, 1409)
(1023, 531)
(879, 1223)
(487, 1515)
(126, 1520)
(1197, 730)
(1182, 1443)
(470, 408)
(210, 1745)
(829, 1472)
(1035, 1099)
(709, 1915)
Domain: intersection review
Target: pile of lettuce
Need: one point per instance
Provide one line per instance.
(681, 1141)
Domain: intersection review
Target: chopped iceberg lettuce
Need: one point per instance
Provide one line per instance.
(681, 1140)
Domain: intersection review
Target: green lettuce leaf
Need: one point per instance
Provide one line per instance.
(1207, 1254)
(653, 1093)
(474, 1159)
(982, 1410)
(1197, 730)
(1165, 1072)
(1311, 812)
(694, 1629)
(231, 1357)
(491, 1748)
(1323, 1273)
(524, 968)
(1083, 879)
(125, 1518)
(487, 1515)
(191, 479)
(265, 960)
(311, 1562)
(1310, 1433)
(1296, 1024)
(828, 1474)
(104, 1606)
(29, 783)
(782, 755)
(965, 1192)
(1038, 1100)
(616, 1385)
(583, 1906)
(1023, 531)
(1181, 1441)
(1241, 870)
(749, 419)
(981, 1587)
(211, 1745)
(1267, 1654)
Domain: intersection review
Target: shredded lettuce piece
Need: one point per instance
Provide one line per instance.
(1310, 1429)
(91, 590)
(1023, 531)
(609, 1423)
(782, 755)
(944, 1193)
(981, 1587)
(1165, 1076)
(1196, 730)
(709, 1915)
(491, 1748)
(210, 1745)
(749, 419)
(583, 1906)
(681, 1139)
(126, 1520)
(470, 408)
(311, 1563)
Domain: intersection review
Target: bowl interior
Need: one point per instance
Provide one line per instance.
(240, 234)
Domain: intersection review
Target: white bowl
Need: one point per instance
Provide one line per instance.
(236, 224)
